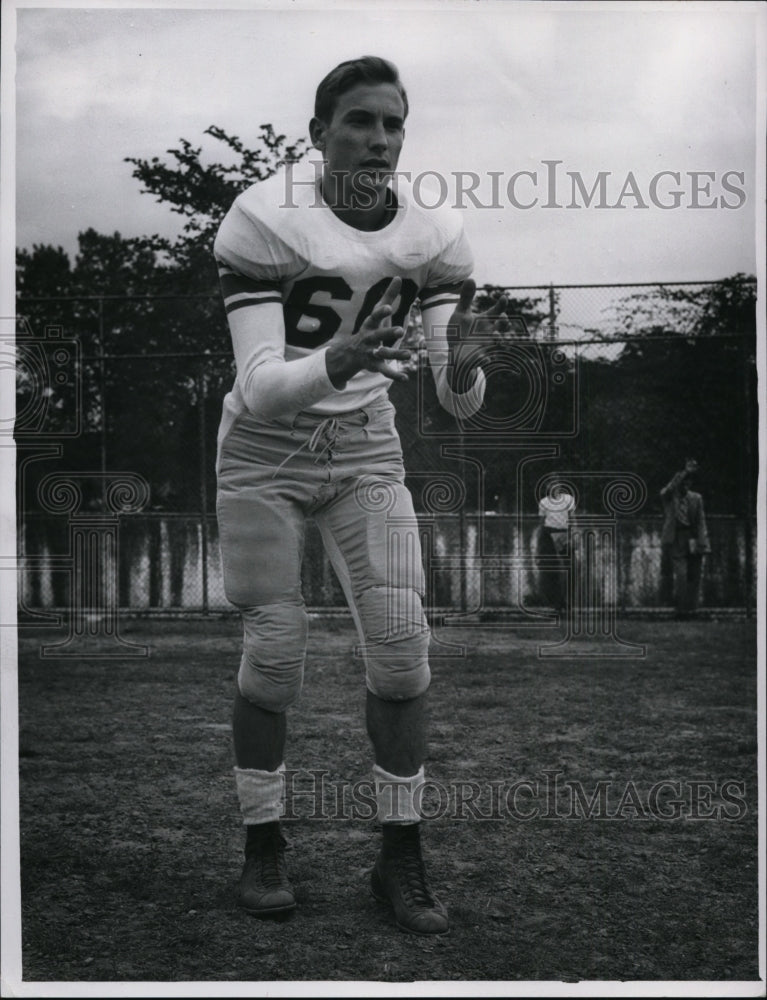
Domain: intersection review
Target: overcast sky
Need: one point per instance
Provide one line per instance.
(494, 87)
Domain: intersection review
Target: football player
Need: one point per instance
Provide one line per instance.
(319, 269)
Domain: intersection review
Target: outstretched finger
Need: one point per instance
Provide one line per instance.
(391, 353)
(391, 292)
(381, 312)
(498, 307)
(388, 335)
(468, 289)
(395, 374)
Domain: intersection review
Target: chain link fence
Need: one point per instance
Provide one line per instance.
(605, 388)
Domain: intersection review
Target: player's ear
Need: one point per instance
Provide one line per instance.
(317, 129)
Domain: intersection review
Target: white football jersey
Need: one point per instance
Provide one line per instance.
(281, 246)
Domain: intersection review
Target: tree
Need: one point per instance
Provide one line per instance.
(682, 384)
(132, 299)
(203, 193)
(725, 307)
(45, 270)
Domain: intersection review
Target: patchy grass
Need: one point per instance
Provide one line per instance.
(131, 844)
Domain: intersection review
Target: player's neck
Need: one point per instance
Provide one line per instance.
(367, 217)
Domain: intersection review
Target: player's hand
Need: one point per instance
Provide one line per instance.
(464, 325)
(371, 348)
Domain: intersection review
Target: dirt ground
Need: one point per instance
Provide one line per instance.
(594, 818)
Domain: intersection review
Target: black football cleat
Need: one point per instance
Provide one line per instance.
(265, 890)
(399, 878)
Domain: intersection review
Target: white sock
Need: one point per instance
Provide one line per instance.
(399, 799)
(261, 794)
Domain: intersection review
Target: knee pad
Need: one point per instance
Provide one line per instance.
(273, 652)
(395, 642)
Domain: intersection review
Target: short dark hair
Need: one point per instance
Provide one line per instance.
(367, 69)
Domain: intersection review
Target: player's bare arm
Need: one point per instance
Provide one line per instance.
(372, 347)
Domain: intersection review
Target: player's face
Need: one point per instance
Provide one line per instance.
(365, 134)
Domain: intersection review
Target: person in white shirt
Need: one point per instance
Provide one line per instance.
(318, 272)
(554, 512)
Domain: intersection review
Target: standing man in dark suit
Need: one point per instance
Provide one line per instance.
(684, 539)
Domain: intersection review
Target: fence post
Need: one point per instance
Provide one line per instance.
(462, 526)
(102, 395)
(746, 491)
(552, 313)
(201, 396)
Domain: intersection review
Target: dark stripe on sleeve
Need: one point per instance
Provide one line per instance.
(242, 303)
(451, 289)
(439, 302)
(237, 284)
